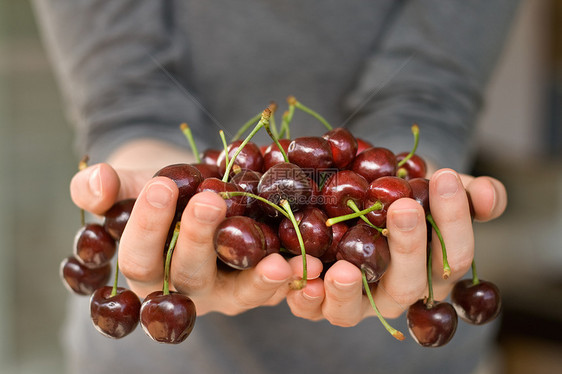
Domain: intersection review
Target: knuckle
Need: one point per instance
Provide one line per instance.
(136, 270)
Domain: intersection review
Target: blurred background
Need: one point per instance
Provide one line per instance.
(520, 136)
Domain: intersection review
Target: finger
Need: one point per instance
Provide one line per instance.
(450, 210)
(194, 262)
(142, 245)
(405, 280)
(314, 267)
(489, 198)
(343, 304)
(99, 186)
(307, 303)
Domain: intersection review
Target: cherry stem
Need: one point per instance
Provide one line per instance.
(273, 107)
(446, 267)
(475, 279)
(287, 118)
(276, 141)
(299, 284)
(416, 132)
(293, 101)
(114, 289)
(351, 204)
(224, 146)
(357, 213)
(263, 121)
(429, 301)
(166, 287)
(246, 126)
(397, 334)
(83, 164)
(228, 195)
(189, 136)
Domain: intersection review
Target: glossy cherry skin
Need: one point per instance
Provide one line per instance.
(420, 192)
(343, 145)
(240, 242)
(272, 242)
(284, 181)
(310, 153)
(367, 249)
(362, 145)
(272, 155)
(432, 327)
(250, 157)
(235, 205)
(82, 280)
(248, 180)
(476, 303)
(187, 178)
(116, 218)
(93, 246)
(340, 188)
(374, 163)
(115, 316)
(385, 190)
(167, 318)
(210, 156)
(317, 237)
(415, 167)
(338, 231)
(207, 170)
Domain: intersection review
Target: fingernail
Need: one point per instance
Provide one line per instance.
(94, 182)
(447, 184)
(405, 220)
(268, 280)
(159, 195)
(345, 286)
(308, 297)
(205, 213)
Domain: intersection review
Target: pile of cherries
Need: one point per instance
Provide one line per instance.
(326, 196)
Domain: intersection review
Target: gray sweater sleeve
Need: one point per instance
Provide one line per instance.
(114, 61)
(431, 68)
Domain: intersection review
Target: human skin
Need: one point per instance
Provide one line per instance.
(337, 298)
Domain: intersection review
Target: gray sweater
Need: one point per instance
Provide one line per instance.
(138, 68)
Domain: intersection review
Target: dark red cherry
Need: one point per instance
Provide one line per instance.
(249, 157)
(338, 231)
(310, 153)
(362, 145)
(272, 155)
(476, 303)
(186, 177)
(343, 145)
(240, 242)
(366, 248)
(317, 237)
(272, 242)
(385, 190)
(167, 318)
(339, 189)
(115, 316)
(248, 181)
(374, 163)
(117, 217)
(415, 167)
(210, 156)
(432, 326)
(207, 170)
(284, 181)
(235, 205)
(82, 280)
(420, 192)
(93, 246)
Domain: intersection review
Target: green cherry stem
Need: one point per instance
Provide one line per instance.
(446, 267)
(273, 126)
(397, 334)
(293, 101)
(225, 146)
(263, 121)
(475, 279)
(166, 287)
(429, 301)
(357, 213)
(228, 195)
(351, 204)
(114, 289)
(298, 284)
(246, 126)
(189, 136)
(416, 132)
(269, 130)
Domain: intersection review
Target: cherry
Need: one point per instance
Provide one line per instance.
(343, 145)
(235, 205)
(310, 152)
(272, 155)
(477, 303)
(420, 192)
(362, 145)
(374, 163)
(167, 318)
(367, 249)
(186, 177)
(316, 235)
(338, 231)
(385, 190)
(340, 189)
(249, 157)
(284, 181)
(248, 180)
(210, 156)
(207, 171)
(432, 325)
(82, 280)
(240, 242)
(272, 242)
(117, 315)
(117, 216)
(93, 246)
(414, 167)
